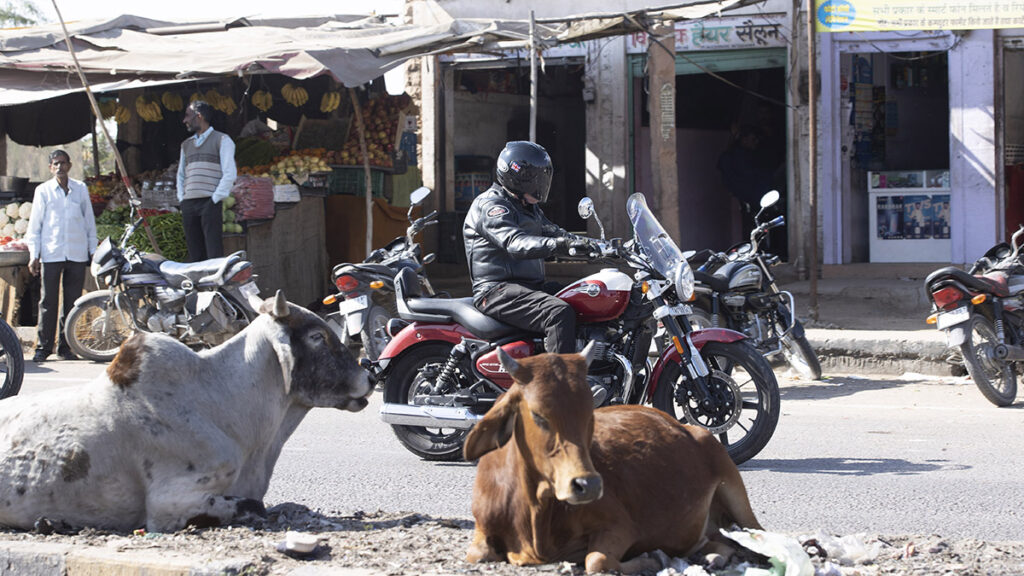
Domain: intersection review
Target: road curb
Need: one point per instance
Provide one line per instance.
(873, 352)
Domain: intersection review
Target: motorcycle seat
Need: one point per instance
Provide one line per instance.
(198, 272)
(717, 283)
(989, 284)
(379, 269)
(413, 307)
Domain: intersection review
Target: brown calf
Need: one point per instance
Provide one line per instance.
(558, 481)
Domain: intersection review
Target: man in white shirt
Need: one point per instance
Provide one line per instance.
(61, 238)
(206, 172)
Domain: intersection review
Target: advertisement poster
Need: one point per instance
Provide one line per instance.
(940, 216)
(916, 212)
(874, 15)
(890, 217)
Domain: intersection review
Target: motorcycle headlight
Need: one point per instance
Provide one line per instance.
(684, 282)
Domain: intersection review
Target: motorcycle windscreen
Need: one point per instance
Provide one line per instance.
(655, 242)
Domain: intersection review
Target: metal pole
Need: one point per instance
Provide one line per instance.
(812, 160)
(533, 78)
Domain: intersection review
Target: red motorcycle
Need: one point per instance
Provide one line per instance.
(441, 373)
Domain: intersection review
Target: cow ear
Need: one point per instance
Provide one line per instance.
(495, 428)
(517, 370)
(281, 342)
(276, 306)
(588, 352)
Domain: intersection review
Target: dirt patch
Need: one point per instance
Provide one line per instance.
(416, 544)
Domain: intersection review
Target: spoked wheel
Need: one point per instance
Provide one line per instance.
(741, 406)
(410, 384)
(995, 378)
(12, 361)
(95, 328)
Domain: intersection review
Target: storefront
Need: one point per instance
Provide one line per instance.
(731, 77)
(1011, 56)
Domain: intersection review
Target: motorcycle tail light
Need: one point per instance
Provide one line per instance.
(346, 283)
(243, 275)
(948, 297)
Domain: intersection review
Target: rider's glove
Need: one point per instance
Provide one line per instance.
(581, 247)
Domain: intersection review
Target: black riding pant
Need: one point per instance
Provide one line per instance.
(534, 311)
(203, 222)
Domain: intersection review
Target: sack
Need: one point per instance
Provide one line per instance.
(255, 198)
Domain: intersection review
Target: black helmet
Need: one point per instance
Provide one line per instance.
(525, 168)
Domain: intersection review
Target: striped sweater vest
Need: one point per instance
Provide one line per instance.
(202, 166)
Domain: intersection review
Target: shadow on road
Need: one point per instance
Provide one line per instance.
(843, 386)
(852, 466)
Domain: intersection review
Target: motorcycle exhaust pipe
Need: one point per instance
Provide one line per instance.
(429, 416)
(1009, 352)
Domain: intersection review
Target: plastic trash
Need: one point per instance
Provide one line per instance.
(785, 554)
(848, 550)
(298, 543)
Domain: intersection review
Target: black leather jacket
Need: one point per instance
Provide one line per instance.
(507, 241)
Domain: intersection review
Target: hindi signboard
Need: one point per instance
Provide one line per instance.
(872, 15)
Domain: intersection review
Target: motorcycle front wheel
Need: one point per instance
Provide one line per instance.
(744, 397)
(797, 350)
(95, 328)
(995, 378)
(412, 377)
(12, 361)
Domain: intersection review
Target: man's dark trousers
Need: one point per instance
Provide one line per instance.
(67, 277)
(532, 310)
(203, 223)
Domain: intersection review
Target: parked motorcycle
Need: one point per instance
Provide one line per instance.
(441, 372)
(366, 297)
(201, 303)
(982, 312)
(736, 289)
(12, 361)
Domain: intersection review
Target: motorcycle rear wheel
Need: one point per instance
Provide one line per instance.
(12, 361)
(95, 330)
(374, 335)
(995, 378)
(440, 444)
(744, 380)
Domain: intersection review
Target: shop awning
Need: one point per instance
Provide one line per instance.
(131, 51)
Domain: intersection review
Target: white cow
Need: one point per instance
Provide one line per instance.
(169, 437)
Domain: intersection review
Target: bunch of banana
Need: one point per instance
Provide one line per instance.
(108, 108)
(330, 101)
(148, 110)
(220, 102)
(122, 114)
(294, 95)
(262, 100)
(172, 101)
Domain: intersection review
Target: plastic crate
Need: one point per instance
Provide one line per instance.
(469, 185)
(352, 181)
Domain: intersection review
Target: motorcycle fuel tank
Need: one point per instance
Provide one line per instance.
(599, 297)
(741, 276)
(491, 367)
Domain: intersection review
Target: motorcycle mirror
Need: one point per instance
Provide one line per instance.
(769, 198)
(415, 197)
(428, 258)
(585, 208)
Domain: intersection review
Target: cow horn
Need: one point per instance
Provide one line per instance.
(280, 309)
(508, 362)
(588, 352)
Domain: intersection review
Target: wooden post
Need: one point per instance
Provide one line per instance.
(661, 66)
(812, 159)
(366, 169)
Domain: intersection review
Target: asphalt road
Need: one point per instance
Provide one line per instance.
(914, 455)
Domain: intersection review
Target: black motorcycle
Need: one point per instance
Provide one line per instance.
(736, 290)
(366, 291)
(200, 303)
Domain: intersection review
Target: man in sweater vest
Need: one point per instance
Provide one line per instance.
(206, 172)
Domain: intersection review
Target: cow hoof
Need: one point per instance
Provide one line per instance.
(43, 526)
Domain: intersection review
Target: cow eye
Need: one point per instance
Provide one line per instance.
(317, 337)
(540, 420)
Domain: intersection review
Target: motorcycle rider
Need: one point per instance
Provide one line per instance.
(507, 237)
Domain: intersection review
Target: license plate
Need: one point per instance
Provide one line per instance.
(952, 318)
(249, 289)
(352, 304)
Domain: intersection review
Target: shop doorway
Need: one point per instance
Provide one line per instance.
(895, 141)
(1013, 137)
(713, 113)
